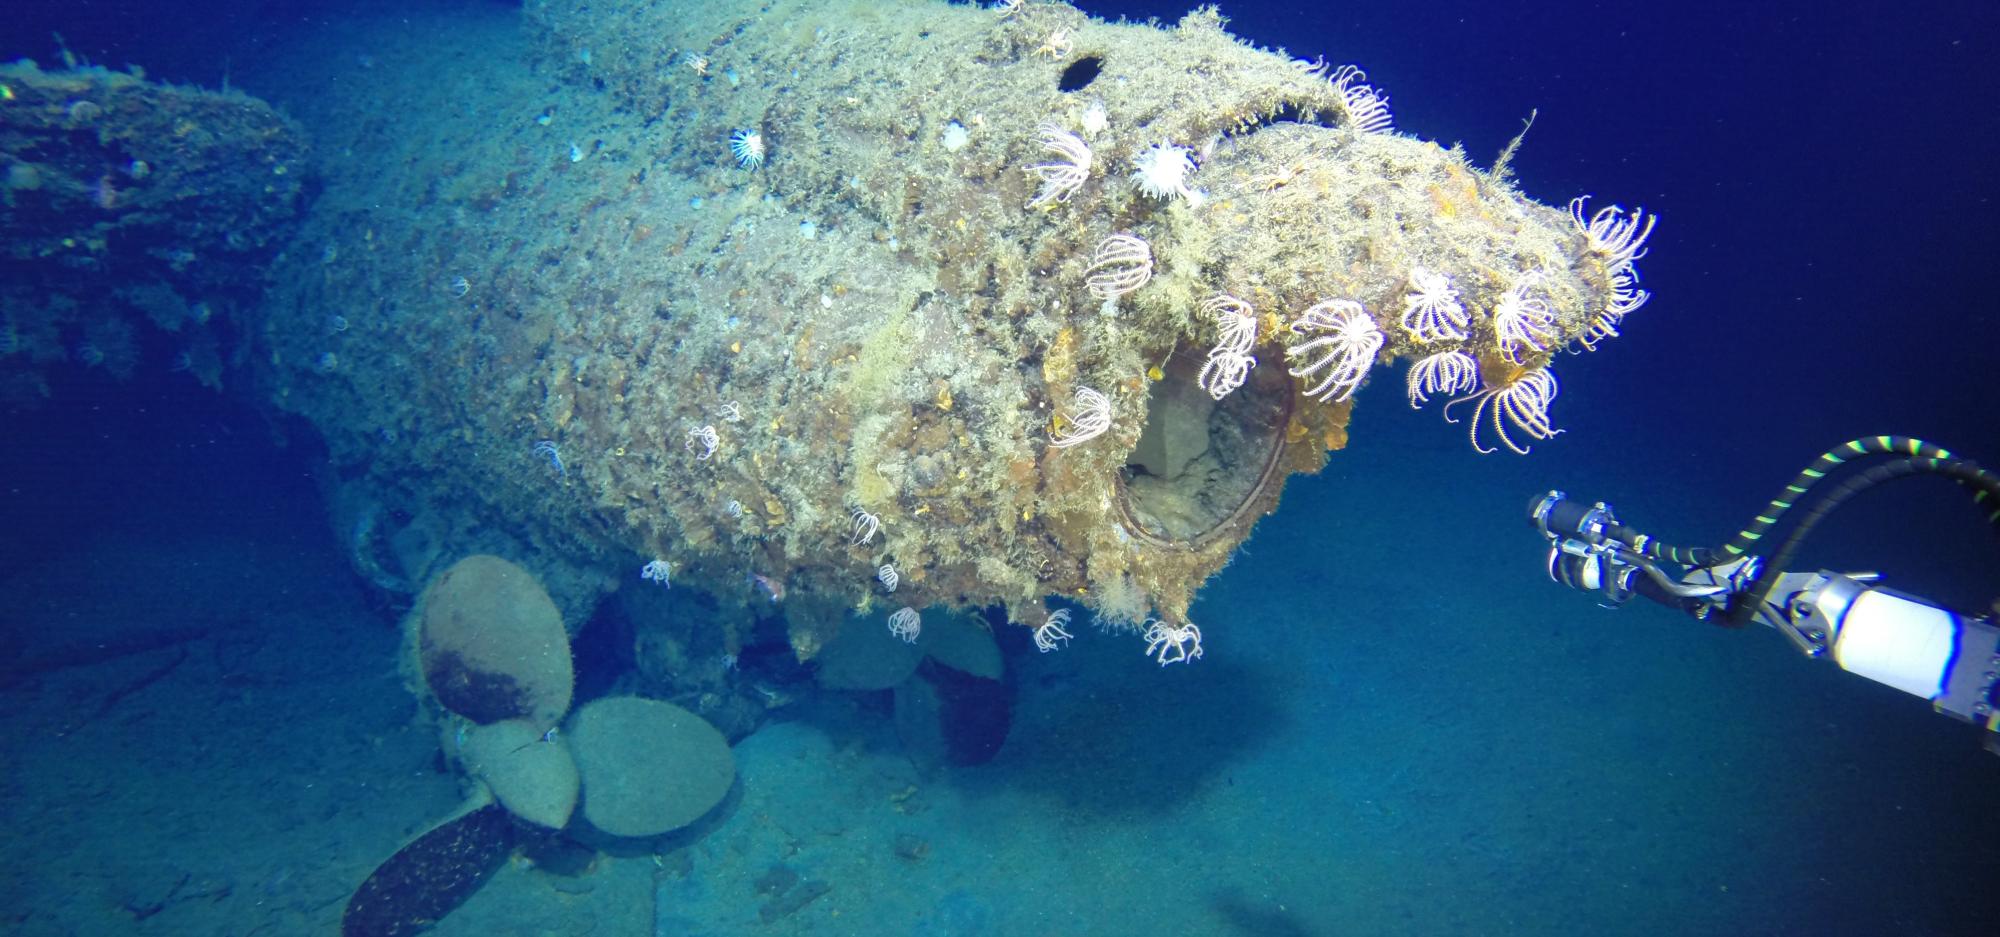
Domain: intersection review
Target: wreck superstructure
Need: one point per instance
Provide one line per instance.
(634, 345)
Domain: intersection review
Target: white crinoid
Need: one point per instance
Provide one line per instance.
(1431, 310)
(1617, 237)
(701, 441)
(1625, 294)
(1067, 173)
(1235, 323)
(1317, 67)
(1172, 644)
(1122, 263)
(1601, 328)
(1623, 297)
(748, 148)
(1520, 401)
(1162, 171)
(1443, 373)
(1522, 324)
(1367, 108)
(1088, 418)
(1345, 345)
(906, 624)
(1230, 361)
(865, 526)
(1051, 634)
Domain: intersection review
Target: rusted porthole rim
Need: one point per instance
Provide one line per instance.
(1273, 469)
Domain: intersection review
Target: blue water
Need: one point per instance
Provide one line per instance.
(1400, 726)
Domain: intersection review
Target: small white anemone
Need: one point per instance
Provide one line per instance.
(748, 148)
(1162, 171)
(955, 136)
(1095, 119)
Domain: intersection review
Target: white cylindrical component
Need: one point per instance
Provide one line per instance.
(1898, 642)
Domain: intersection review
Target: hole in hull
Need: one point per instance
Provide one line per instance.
(1200, 462)
(1080, 74)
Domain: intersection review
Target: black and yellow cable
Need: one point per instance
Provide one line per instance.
(1984, 485)
(1985, 496)
(1817, 472)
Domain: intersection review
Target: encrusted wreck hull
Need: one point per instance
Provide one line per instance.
(872, 321)
(134, 213)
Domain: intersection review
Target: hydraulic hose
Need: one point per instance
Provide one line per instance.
(1984, 485)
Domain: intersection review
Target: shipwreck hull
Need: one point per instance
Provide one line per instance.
(872, 319)
(134, 215)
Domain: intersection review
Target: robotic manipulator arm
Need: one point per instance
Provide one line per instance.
(1903, 641)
